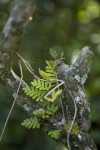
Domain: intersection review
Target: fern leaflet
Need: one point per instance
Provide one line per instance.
(42, 85)
(54, 134)
(54, 96)
(51, 109)
(34, 93)
(31, 123)
(53, 53)
(49, 73)
(40, 113)
(74, 128)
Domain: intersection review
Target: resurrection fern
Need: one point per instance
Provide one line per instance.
(40, 113)
(53, 53)
(61, 54)
(74, 128)
(31, 123)
(34, 93)
(51, 109)
(54, 134)
(50, 67)
(54, 96)
(39, 88)
(45, 103)
(49, 73)
(58, 54)
(42, 85)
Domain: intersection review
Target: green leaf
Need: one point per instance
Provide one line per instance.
(40, 113)
(41, 85)
(61, 54)
(35, 93)
(51, 109)
(31, 123)
(46, 75)
(53, 53)
(35, 112)
(45, 103)
(54, 96)
(74, 128)
(50, 72)
(49, 112)
(54, 134)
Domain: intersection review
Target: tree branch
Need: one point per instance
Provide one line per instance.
(74, 77)
(14, 29)
(84, 60)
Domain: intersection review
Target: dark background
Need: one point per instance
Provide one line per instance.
(65, 25)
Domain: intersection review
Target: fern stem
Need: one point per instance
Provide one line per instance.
(54, 89)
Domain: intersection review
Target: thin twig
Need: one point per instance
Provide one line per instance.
(54, 88)
(13, 101)
(28, 66)
(16, 77)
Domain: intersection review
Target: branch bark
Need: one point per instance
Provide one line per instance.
(14, 29)
(74, 77)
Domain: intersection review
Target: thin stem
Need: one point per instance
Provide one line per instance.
(28, 66)
(13, 101)
(54, 89)
(16, 77)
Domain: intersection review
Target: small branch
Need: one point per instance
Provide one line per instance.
(14, 29)
(84, 60)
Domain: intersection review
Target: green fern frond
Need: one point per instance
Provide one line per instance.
(74, 128)
(54, 96)
(31, 123)
(40, 113)
(61, 54)
(54, 134)
(45, 103)
(46, 75)
(50, 72)
(51, 109)
(27, 90)
(41, 85)
(34, 93)
(50, 68)
(53, 53)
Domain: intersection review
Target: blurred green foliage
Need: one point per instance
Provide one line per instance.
(65, 25)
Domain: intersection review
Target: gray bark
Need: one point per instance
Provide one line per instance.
(74, 77)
